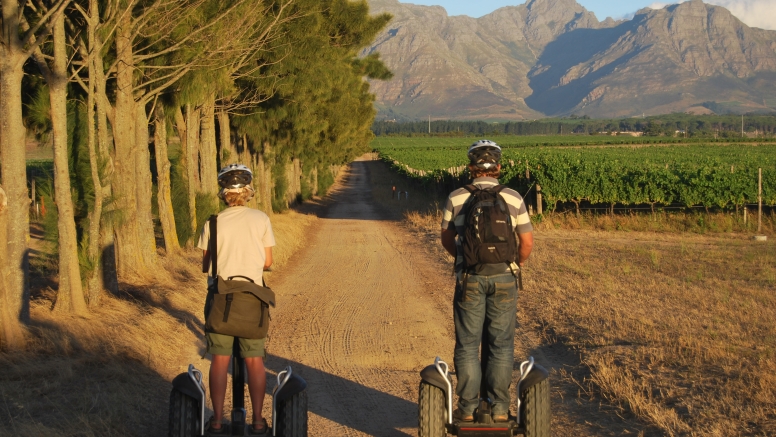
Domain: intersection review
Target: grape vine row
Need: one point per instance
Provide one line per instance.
(692, 175)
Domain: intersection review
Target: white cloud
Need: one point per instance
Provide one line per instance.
(755, 13)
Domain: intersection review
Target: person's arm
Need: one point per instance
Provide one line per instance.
(448, 241)
(526, 246)
(205, 261)
(267, 258)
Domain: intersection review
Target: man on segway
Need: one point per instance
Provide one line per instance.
(485, 216)
(243, 248)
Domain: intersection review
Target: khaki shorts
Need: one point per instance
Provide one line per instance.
(218, 344)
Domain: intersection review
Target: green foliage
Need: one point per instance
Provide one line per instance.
(207, 205)
(38, 114)
(325, 179)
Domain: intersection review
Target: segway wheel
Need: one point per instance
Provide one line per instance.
(184, 415)
(432, 412)
(536, 411)
(292, 416)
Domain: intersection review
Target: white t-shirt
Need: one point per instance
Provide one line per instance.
(243, 233)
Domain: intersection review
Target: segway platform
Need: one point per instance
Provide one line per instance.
(187, 404)
(435, 406)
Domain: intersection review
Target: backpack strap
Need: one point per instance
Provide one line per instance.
(212, 246)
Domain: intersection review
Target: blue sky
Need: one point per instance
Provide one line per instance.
(757, 13)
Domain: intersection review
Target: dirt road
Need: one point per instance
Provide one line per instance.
(357, 318)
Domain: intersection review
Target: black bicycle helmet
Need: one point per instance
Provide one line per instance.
(234, 176)
(484, 154)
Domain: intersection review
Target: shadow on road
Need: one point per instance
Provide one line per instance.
(318, 380)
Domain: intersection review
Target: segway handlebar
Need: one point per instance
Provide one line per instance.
(196, 376)
(438, 363)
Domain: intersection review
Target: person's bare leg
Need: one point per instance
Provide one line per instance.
(218, 370)
(257, 384)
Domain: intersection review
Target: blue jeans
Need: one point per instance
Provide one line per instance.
(490, 303)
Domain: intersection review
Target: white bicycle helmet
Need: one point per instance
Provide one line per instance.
(235, 176)
(484, 154)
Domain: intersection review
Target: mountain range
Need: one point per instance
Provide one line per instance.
(555, 58)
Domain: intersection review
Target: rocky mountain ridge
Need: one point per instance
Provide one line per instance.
(553, 57)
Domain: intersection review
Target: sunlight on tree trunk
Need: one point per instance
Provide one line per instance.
(130, 258)
(13, 163)
(192, 145)
(11, 334)
(144, 186)
(70, 297)
(95, 279)
(207, 148)
(184, 164)
(228, 149)
(263, 185)
(163, 195)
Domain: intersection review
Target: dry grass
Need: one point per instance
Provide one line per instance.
(675, 327)
(108, 372)
(698, 222)
(679, 328)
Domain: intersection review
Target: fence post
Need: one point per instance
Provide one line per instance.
(539, 199)
(759, 201)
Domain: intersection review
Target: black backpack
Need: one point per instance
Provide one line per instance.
(488, 236)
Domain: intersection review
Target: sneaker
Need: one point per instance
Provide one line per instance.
(460, 416)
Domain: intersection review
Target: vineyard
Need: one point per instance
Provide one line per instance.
(629, 172)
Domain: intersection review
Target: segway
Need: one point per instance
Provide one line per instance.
(187, 403)
(435, 404)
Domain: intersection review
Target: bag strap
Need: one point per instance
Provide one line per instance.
(212, 246)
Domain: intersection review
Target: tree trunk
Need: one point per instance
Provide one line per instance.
(228, 149)
(297, 178)
(314, 180)
(208, 154)
(94, 281)
(70, 295)
(163, 194)
(128, 250)
(11, 333)
(180, 124)
(109, 275)
(263, 185)
(192, 171)
(14, 178)
(144, 186)
(245, 156)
